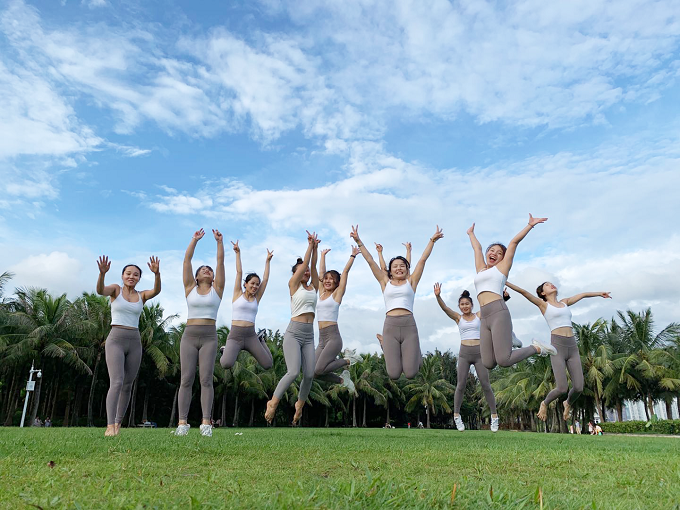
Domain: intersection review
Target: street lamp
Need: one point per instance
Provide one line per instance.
(30, 386)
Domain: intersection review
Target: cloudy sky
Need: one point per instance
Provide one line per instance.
(125, 126)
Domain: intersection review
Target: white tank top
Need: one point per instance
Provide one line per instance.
(303, 301)
(327, 310)
(125, 313)
(469, 330)
(203, 306)
(399, 296)
(490, 280)
(557, 317)
(244, 310)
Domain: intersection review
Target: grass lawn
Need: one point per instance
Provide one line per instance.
(335, 468)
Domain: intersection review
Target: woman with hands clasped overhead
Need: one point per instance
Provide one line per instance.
(203, 291)
(567, 358)
(244, 306)
(123, 347)
(401, 345)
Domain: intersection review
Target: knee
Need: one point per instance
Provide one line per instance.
(318, 372)
(411, 373)
(578, 387)
(562, 388)
(394, 374)
(267, 364)
(228, 363)
(186, 381)
(207, 381)
(116, 384)
(501, 363)
(485, 386)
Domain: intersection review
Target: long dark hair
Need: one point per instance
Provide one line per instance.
(299, 261)
(132, 265)
(335, 275)
(540, 293)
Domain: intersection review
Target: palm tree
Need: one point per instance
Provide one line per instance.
(367, 380)
(246, 381)
(429, 389)
(596, 357)
(173, 370)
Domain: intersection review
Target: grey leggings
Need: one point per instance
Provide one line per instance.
(471, 355)
(244, 338)
(567, 358)
(496, 337)
(198, 344)
(123, 350)
(327, 362)
(298, 350)
(401, 346)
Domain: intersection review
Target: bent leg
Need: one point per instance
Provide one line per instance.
(559, 367)
(576, 373)
(486, 345)
(307, 352)
(501, 336)
(483, 376)
(392, 350)
(411, 358)
(327, 356)
(259, 350)
(293, 356)
(231, 350)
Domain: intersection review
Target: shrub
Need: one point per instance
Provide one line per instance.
(641, 427)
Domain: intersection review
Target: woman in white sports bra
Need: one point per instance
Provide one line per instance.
(123, 347)
(470, 354)
(203, 291)
(401, 345)
(567, 358)
(244, 305)
(298, 341)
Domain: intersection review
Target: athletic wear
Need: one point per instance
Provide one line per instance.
(198, 345)
(206, 430)
(469, 330)
(303, 301)
(496, 337)
(203, 306)
(399, 296)
(327, 310)
(244, 310)
(471, 355)
(459, 423)
(126, 313)
(557, 317)
(490, 280)
(298, 350)
(123, 351)
(245, 338)
(182, 430)
(401, 346)
(567, 358)
(494, 424)
(326, 354)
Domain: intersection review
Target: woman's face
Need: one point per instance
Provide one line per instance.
(465, 306)
(494, 255)
(398, 269)
(307, 275)
(131, 276)
(252, 285)
(329, 283)
(549, 289)
(205, 275)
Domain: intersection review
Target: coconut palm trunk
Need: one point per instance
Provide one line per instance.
(171, 423)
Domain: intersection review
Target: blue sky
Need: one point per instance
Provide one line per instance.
(125, 126)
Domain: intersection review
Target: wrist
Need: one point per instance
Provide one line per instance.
(352, 256)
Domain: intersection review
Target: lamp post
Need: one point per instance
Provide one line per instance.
(30, 386)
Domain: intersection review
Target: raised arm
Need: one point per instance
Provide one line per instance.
(219, 270)
(578, 297)
(315, 273)
(408, 251)
(239, 271)
(299, 273)
(535, 300)
(505, 264)
(448, 311)
(418, 270)
(187, 270)
(477, 248)
(322, 262)
(342, 286)
(265, 276)
(105, 290)
(381, 259)
(379, 274)
(155, 267)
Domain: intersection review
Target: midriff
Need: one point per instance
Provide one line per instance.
(487, 297)
(200, 322)
(470, 343)
(325, 324)
(563, 331)
(397, 312)
(242, 324)
(306, 318)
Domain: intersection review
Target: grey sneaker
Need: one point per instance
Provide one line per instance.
(347, 382)
(459, 423)
(352, 356)
(494, 424)
(182, 430)
(206, 430)
(543, 349)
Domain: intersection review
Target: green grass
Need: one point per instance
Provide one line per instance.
(335, 468)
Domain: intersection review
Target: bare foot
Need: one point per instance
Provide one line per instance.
(567, 411)
(380, 339)
(116, 429)
(298, 411)
(543, 412)
(110, 431)
(271, 409)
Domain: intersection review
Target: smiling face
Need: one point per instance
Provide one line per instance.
(547, 290)
(205, 274)
(398, 269)
(465, 306)
(131, 276)
(494, 254)
(330, 282)
(252, 285)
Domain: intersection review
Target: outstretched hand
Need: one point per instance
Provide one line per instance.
(218, 235)
(236, 247)
(378, 247)
(408, 245)
(437, 289)
(471, 230)
(198, 235)
(323, 252)
(270, 254)
(154, 264)
(312, 238)
(437, 235)
(355, 251)
(104, 264)
(355, 233)
(605, 295)
(535, 221)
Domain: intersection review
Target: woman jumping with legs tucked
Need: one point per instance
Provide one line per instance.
(298, 341)
(330, 341)
(567, 358)
(123, 347)
(244, 305)
(470, 354)
(203, 291)
(401, 344)
(496, 324)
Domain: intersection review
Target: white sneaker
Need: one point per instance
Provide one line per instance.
(459, 423)
(347, 382)
(261, 335)
(206, 430)
(544, 349)
(182, 430)
(352, 356)
(516, 342)
(494, 424)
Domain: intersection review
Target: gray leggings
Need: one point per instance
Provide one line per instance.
(198, 344)
(298, 350)
(401, 346)
(123, 350)
(471, 355)
(244, 338)
(327, 362)
(496, 337)
(567, 358)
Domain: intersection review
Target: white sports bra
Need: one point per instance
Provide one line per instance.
(203, 306)
(303, 301)
(126, 313)
(244, 310)
(490, 280)
(327, 310)
(469, 330)
(399, 296)
(557, 317)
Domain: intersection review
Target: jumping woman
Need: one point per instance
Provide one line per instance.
(244, 305)
(400, 344)
(123, 347)
(470, 354)
(496, 324)
(567, 358)
(333, 285)
(298, 341)
(203, 291)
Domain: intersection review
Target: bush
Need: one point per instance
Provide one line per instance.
(640, 427)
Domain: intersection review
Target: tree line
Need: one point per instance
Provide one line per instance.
(623, 358)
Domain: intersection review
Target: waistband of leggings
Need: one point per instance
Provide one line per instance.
(493, 307)
(130, 334)
(201, 330)
(331, 330)
(566, 341)
(470, 349)
(242, 331)
(400, 320)
(303, 328)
